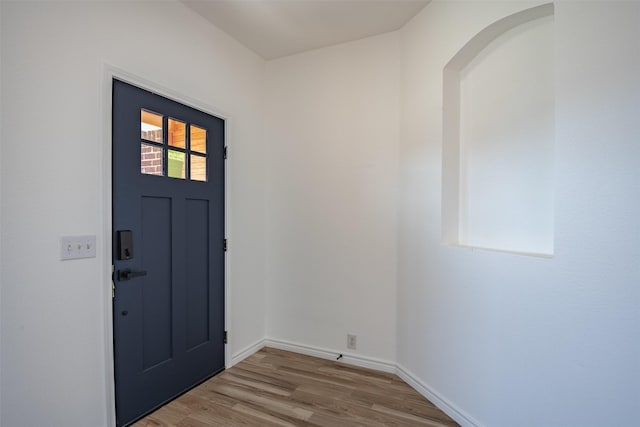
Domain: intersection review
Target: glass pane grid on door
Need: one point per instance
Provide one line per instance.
(171, 147)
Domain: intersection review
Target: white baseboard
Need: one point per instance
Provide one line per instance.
(366, 362)
(434, 397)
(246, 352)
(323, 353)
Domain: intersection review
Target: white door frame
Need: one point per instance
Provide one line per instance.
(110, 72)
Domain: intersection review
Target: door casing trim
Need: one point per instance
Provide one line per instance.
(108, 73)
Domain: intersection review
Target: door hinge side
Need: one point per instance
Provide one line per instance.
(224, 245)
(225, 152)
(225, 337)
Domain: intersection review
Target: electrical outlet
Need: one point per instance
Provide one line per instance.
(352, 341)
(74, 247)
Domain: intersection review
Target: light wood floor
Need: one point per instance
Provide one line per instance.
(279, 388)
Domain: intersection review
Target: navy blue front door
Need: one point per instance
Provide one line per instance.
(168, 249)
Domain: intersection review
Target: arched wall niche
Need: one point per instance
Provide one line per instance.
(498, 137)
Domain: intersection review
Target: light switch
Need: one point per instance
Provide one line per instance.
(75, 247)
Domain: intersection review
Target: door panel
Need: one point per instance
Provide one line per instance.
(168, 189)
(157, 285)
(197, 274)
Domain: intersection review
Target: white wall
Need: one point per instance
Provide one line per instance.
(506, 142)
(333, 118)
(512, 340)
(1, 233)
(53, 313)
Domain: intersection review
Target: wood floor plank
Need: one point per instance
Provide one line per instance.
(279, 388)
(398, 403)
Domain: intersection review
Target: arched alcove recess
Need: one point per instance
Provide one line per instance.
(498, 137)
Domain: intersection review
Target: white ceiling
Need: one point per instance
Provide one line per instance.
(277, 28)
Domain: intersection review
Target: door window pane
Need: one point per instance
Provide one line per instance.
(150, 159)
(198, 168)
(150, 126)
(198, 139)
(177, 133)
(176, 164)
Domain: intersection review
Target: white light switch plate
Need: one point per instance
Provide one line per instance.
(75, 247)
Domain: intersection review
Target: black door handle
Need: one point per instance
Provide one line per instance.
(127, 274)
